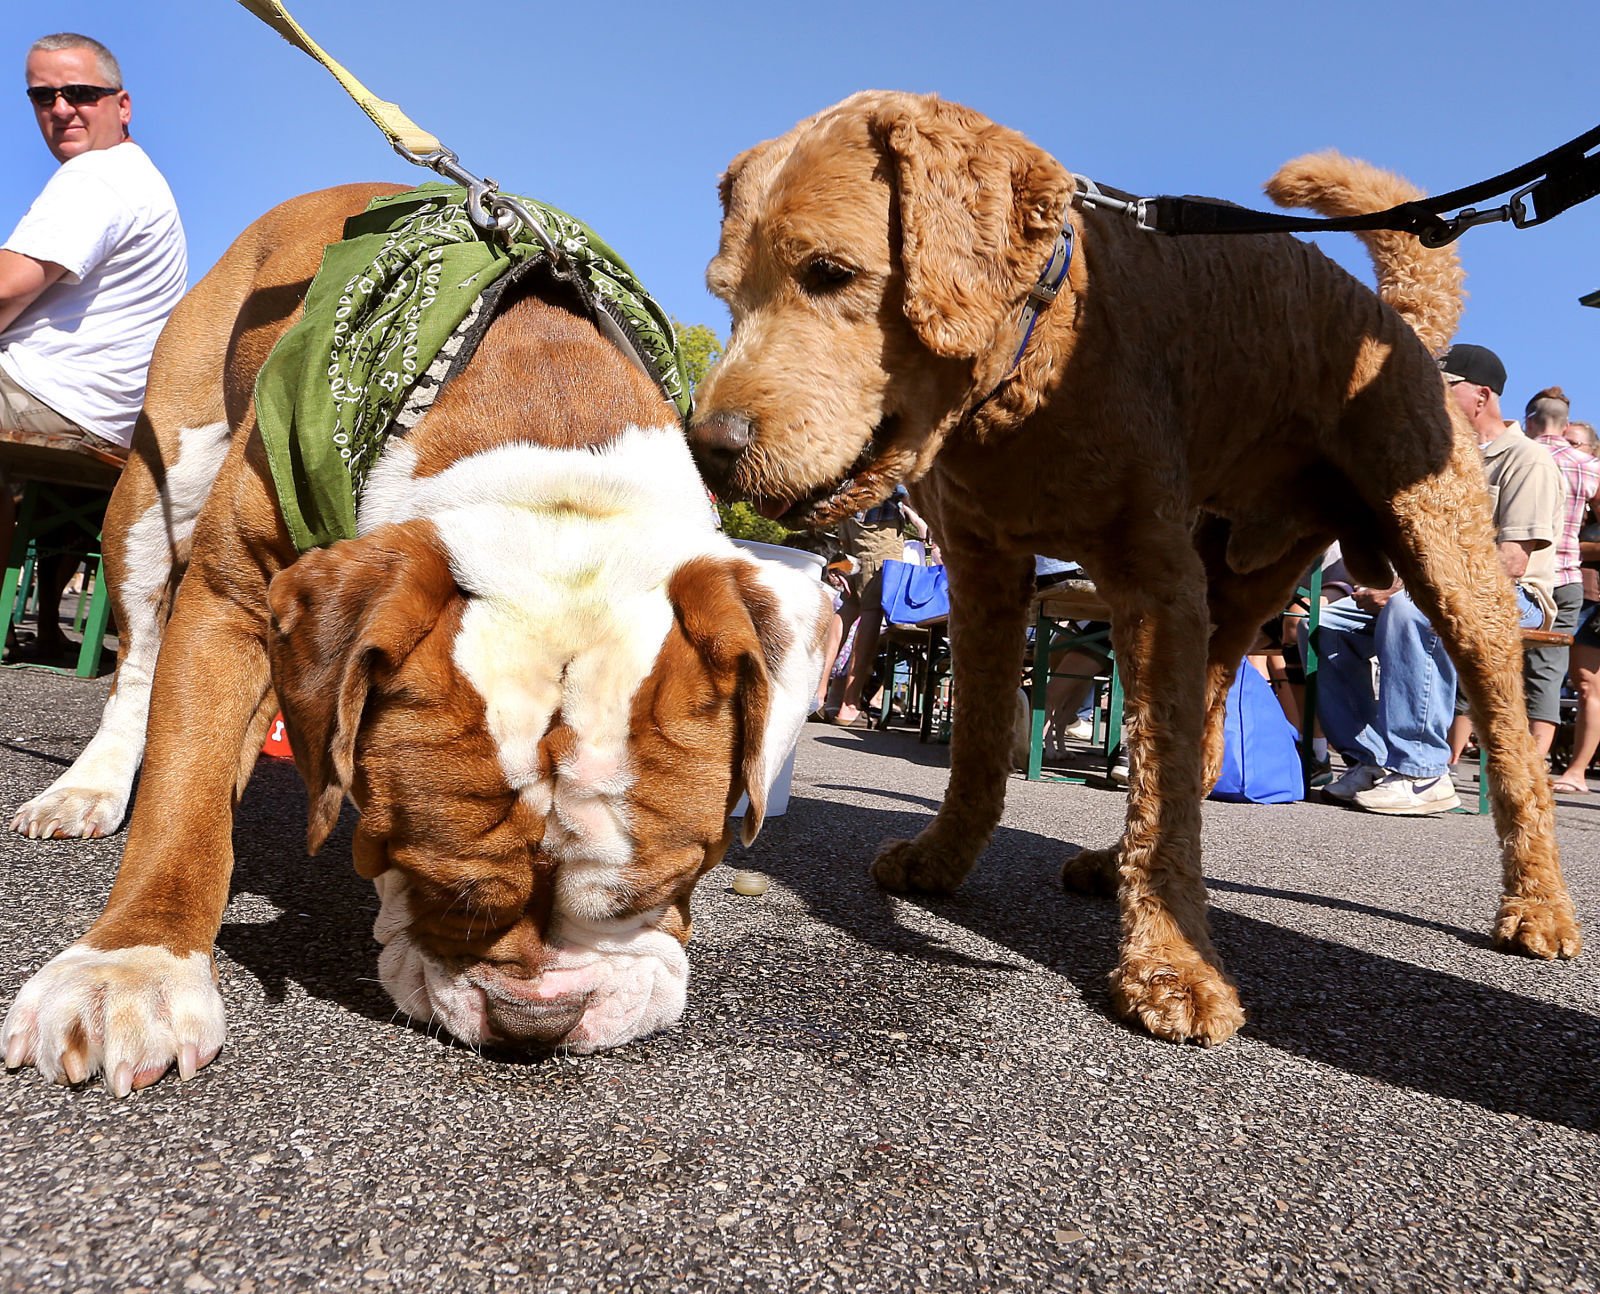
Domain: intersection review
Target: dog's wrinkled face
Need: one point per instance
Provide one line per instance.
(872, 259)
(543, 769)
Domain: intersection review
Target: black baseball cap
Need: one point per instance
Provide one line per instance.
(1476, 364)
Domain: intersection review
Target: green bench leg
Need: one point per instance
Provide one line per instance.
(94, 625)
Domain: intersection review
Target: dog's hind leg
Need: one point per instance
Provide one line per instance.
(1443, 548)
(147, 531)
(988, 615)
(1168, 977)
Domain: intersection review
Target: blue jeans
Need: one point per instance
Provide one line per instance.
(1405, 724)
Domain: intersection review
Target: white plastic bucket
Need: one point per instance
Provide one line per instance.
(811, 564)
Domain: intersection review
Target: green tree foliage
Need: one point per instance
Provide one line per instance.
(741, 521)
(701, 348)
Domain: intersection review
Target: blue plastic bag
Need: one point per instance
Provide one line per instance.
(913, 594)
(1260, 760)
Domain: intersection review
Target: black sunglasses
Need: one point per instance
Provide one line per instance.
(44, 96)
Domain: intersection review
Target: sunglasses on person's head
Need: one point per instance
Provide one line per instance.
(44, 96)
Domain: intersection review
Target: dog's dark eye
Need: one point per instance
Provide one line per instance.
(824, 275)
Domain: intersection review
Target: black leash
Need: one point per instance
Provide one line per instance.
(1562, 178)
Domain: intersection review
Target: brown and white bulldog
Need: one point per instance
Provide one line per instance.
(541, 674)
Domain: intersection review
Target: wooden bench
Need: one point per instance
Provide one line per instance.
(41, 463)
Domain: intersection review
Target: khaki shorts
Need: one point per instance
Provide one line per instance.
(24, 411)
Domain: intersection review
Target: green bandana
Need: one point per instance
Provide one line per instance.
(395, 310)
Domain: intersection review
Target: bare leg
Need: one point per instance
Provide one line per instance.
(830, 654)
(53, 576)
(1586, 727)
(864, 655)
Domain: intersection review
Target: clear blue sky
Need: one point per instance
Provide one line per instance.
(626, 114)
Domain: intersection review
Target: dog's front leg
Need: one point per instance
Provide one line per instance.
(988, 613)
(137, 994)
(1168, 977)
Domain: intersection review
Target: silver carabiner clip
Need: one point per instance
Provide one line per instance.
(485, 208)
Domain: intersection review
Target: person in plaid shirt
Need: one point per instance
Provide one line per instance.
(1546, 419)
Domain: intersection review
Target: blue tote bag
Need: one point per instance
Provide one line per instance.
(912, 594)
(1260, 760)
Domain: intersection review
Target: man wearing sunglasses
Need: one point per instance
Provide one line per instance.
(89, 275)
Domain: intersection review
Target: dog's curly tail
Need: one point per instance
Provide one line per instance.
(1422, 284)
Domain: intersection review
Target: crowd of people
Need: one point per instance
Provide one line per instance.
(1388, 701)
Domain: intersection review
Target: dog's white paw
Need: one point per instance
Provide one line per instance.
(71, 811)
(129, 1014)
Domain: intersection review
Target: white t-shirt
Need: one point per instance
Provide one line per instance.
(83, 346)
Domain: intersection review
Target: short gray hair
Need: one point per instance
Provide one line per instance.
(110, 69)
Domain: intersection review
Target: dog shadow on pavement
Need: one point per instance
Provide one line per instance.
(1360, 1011)
(321, 935)
(865, 966)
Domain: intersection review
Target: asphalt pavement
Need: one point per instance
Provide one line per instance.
(865, 1093)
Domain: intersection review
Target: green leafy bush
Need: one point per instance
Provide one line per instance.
(741, 521)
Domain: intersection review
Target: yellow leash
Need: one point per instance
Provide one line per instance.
(493, 212)
(497, 214)
(402, 132)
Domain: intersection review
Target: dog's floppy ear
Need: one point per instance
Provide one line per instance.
(980, 208)
(338, 615)
(730, 177)
(762, 626)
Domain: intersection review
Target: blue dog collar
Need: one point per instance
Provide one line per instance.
(1042, 293)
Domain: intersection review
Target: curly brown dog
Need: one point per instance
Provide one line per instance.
(1193, 420)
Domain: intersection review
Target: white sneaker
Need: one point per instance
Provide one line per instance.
(1405, 796)
(1352, 782)
(1080, 730)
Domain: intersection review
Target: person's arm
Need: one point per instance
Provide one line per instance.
(22, 279)
(917, 523)
(1373, 601)
(1528, 507)
(1514, 555)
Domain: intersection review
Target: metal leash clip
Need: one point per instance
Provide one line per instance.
(1446, 232)
(493, 212)
(1088, 194)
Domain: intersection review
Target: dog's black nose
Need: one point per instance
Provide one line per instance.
(717, 441)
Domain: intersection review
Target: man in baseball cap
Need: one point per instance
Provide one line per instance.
(1396, 741)
(1525, 486)
(1475, 365)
